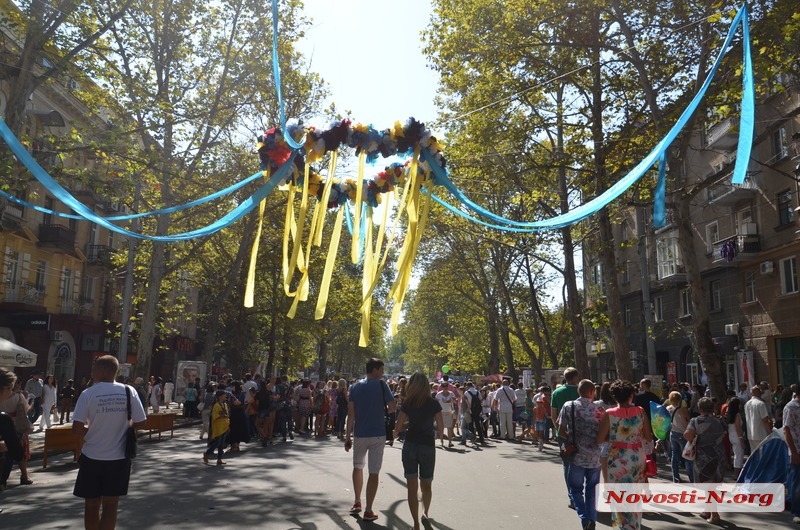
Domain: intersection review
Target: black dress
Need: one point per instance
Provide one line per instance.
(239, 431)
(8, 434)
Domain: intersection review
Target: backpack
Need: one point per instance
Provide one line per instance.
(475, 407)
(341, 400)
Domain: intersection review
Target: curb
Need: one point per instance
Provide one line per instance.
(37, 454)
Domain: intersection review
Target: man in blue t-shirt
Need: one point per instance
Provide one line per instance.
(366, 420)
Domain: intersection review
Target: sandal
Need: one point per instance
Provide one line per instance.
(25, 481)
(714, 519)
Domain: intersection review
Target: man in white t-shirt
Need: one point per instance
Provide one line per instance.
(101, 418)
(447, 400)
(506, 400)
(758, 418)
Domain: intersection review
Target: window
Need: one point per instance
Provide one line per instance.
(780, 146)
(93, 233)
(597, 277)
(658, 308)
(785, 213)
(49, 204)
(788, 276)
(715, 295)
(686, 303)
(668, 257)
(73, 223)
(750, 286)
(627, 312)
(787, 355)
(41, 276)
(626, 233)
(625, 275)
(712, 235)
(66, 286)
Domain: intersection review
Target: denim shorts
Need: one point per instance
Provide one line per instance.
(419, 460)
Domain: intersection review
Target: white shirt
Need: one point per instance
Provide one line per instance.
(49, 395)
(246, 387)
(155, 394)
(103, 408)
(755, 411)
(446, 401)
(505, 396)
(521, 396)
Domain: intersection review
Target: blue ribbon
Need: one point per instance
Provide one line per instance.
(748, 116)
(615, 191)
(171, 209)
(659, 206)
(85, 212)
(276, 73)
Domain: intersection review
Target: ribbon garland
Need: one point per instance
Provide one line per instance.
(285, 151)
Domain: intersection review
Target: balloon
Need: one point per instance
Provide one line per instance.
(445, 369)
(660, 420)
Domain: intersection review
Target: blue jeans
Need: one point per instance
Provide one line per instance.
(567, 463)
(677, 442)
(582, 482)
(794, 488)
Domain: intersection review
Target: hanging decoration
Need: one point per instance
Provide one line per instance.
(287, 151)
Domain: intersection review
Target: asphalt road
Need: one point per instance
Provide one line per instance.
(306, 484)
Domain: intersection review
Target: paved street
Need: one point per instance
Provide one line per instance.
(306, 485)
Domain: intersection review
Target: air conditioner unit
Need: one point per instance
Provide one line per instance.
(767, 267)
(732, 329)
(56, 336)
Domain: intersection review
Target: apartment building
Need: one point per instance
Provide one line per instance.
(746, 237)
(61, 279)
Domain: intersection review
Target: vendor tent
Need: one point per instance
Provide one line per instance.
(13, 355)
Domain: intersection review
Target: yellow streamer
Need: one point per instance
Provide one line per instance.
(354, 254)
(333, 250)
(250, 285)
(366, 281)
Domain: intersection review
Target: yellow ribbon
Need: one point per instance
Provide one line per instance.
(366, 281)
(250, 285)
(333, 250)
(354, 254)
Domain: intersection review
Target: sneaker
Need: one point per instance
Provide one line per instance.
(356, 507)
(796, 519)
(369, 515)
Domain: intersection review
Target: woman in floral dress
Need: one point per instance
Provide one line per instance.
(627, 429)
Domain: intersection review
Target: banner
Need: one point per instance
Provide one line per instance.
(745, 367)
(188, 372)
(672, 372)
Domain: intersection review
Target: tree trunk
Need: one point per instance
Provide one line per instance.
(701, 330)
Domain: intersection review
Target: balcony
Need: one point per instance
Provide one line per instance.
(99, 255)
(23, 293)
(723, 193)
(57, 238)
(736, 249)
(11, 214)
(80, 305)
(724, 135)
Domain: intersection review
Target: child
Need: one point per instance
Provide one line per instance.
(540, 417)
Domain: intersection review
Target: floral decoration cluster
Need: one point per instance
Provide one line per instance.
(401, 139)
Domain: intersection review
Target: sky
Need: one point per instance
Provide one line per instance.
(370, 54)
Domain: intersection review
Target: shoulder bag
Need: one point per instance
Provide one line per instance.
(570, 448)
(21, 422)
(130, 434)
(388, 418)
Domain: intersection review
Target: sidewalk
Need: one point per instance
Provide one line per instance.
(37, 437)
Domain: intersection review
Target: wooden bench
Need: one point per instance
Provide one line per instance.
(158, 422)
(59, 438)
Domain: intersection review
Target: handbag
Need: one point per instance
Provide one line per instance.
(570, 448)
(650, 467)
(130, 434)
(690, 450)
(201, 406)
(21, 422)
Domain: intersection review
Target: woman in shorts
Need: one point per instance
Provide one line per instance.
(416, 419)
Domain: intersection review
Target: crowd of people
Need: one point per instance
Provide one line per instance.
(602, 432)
